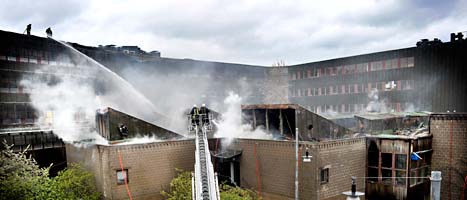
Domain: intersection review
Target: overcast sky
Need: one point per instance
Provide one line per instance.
(242, 31)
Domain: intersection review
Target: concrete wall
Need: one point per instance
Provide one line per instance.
(276, 164)
(150, 166)
(450, 152)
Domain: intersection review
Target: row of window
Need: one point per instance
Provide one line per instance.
(354, 68)
(356, 108)
(353, 88)
(36, 60)
(17, 114)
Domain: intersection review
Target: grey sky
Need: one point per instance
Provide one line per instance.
(244, 31)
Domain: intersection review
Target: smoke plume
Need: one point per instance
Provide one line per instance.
(230, 126)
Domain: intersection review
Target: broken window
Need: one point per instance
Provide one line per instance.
(372, 175)
(386, 160)
(122, 176)
(324, 175)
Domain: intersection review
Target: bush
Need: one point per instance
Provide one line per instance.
(22, 178)
(180, 188)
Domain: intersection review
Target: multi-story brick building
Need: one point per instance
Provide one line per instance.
(427, 77)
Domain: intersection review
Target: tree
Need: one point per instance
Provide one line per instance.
(180, 188)
(22, 178)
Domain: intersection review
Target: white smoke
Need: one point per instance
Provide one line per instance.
(67, 107)
(376, 104)
(230, 126)
(141, 140)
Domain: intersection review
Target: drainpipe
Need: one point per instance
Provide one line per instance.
(435, 185)
(296, 163)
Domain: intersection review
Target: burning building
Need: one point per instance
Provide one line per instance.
(427, 77)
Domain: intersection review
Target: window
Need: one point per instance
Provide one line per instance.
(362, 67)
(324, 175)
(403, 62)
(401, 160)
(375, 66)
(121, 176)
(410, 62)
(386, 159)
(372, 174)
(351, 89)
(400, 177)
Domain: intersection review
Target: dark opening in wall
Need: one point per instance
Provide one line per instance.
(373, 154)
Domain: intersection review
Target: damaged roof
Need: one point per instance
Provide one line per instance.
(270, 106)
(381, 116)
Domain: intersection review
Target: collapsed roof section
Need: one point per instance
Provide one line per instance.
(282, 119)
(403, 124)
(114, 125)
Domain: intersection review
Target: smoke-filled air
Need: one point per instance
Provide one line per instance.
(230, 126)
(68, 102)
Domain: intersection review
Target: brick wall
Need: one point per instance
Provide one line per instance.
(454, 167)
(150, 166)
(276, 163)
(345, 158)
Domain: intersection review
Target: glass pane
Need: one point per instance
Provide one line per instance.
(386, 176)
(121, 176)
(413, 181)
(421, 173)
(400, 177)
(400, 161)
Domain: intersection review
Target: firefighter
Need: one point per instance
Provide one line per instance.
(194, 113)
(28, 29)
(204, 112)
(123, 130)
(48, 31)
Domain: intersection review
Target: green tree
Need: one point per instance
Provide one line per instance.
(22, 178)
(74, 183)
(180, 188)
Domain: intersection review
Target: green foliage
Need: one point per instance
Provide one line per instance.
(22, 178)
(74, 183)
(236, 193)
(180, 188)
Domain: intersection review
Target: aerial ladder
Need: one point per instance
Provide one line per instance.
(204, 181)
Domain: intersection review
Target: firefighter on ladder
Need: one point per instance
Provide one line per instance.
(204, 113)
(194, 115)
